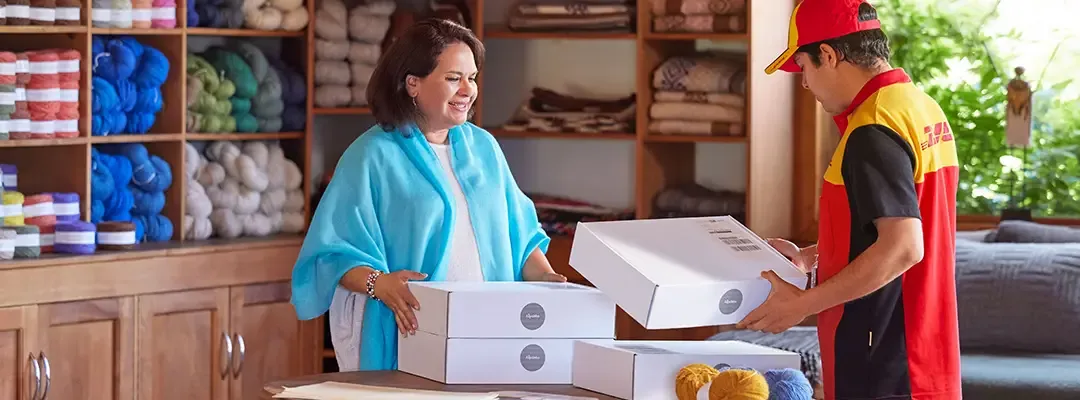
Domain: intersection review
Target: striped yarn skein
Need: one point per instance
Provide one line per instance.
(9, 176)
(43, 12)
(115, 235)
(7, 243)
(68, 12)
(66, 206)
(27, 241)
(13, 209)
(39, 210)
(43, 93)
(75, 237)
(163, 14)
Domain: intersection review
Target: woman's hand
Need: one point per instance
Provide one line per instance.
(393, 290)
(803, 259)
(551, 277)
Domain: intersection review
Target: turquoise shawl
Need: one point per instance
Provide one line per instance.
(389, 207)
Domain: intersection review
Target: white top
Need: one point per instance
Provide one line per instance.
(464, 263)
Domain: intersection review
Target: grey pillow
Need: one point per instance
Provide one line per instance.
(1022, 297)
(1014, 231)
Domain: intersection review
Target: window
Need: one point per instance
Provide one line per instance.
(963, 53)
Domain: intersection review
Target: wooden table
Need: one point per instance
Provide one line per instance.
(404, 380)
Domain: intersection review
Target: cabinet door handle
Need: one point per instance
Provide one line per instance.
(32, 365)
(48, 374)
(226, 356)
(239, 366)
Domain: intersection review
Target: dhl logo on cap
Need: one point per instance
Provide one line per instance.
(813, 21)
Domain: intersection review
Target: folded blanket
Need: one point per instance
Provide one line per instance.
(698, 128)
(616, 21)
(691, 7)
(705, 23)
(697, 112)
(727, 99)
(707, 72)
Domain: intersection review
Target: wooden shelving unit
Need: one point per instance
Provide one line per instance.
(142, 310)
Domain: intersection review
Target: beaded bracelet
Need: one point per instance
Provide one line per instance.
(371, 284)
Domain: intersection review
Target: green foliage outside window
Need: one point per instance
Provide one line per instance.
(928, 42)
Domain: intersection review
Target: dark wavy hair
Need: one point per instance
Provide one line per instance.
(415, 53)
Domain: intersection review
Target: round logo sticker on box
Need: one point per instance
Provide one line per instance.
(532, 316)
(532, 358)
(730, 301)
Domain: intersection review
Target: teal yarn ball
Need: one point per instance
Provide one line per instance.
(788, 384)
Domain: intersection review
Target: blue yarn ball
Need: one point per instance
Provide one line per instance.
(115, 62)
(147, 203)
(153, 69)
(118, 206)
(140, 122)
(153, 228)
(97, 211)
(127, 93)
(149, 100)
(788, 384)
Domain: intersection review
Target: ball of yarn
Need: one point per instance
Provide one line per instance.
(7, 243)
(788, 384)
(691, 378)
(115, 235)
(27, 241)
(75, 237)
(739, 384)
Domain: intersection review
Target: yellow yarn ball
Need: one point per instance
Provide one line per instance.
(691, 378)
(739, 384)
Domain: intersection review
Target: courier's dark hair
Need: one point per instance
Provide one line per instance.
(415, 53)
(865, 49)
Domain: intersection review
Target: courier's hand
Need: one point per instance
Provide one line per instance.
(782, 310)
(802, 259)
(393, 290)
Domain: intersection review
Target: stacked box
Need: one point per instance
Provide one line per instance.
(502, 332)
(631, 370)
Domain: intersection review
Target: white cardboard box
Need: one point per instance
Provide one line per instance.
(633, 370)
(513, 310)
(507, 361)
(679, 272)
(502, 332)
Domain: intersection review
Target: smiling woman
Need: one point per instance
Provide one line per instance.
(423, 195)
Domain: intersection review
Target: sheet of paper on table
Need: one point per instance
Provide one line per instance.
(351, 391)
(514, 395)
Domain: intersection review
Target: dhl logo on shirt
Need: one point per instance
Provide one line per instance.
(937, 133)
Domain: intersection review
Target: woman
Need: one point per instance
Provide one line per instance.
(423, 195)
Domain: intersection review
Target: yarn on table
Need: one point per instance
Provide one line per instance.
(738, 384)
(788, 384)
(691, 378)
(66, 206)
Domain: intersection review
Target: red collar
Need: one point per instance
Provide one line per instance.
(892, 76)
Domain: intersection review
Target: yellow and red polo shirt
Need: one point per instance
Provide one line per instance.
(896, 158)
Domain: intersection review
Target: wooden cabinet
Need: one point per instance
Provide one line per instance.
(221, 339)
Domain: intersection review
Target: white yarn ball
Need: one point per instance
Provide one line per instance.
(225, 195)
(272, 201)
(292, 221)
(197, 202)
(295, 19)
(247, 201)
(256, 224)
(294, 177)
(225, 223)
(211, 174)
(193, 160)
(250, 174)
(197, 228)
(294, 200)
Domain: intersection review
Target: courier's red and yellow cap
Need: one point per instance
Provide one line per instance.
(816, 20)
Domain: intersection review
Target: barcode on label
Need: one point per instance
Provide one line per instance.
(752, 247)
(733, 241)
